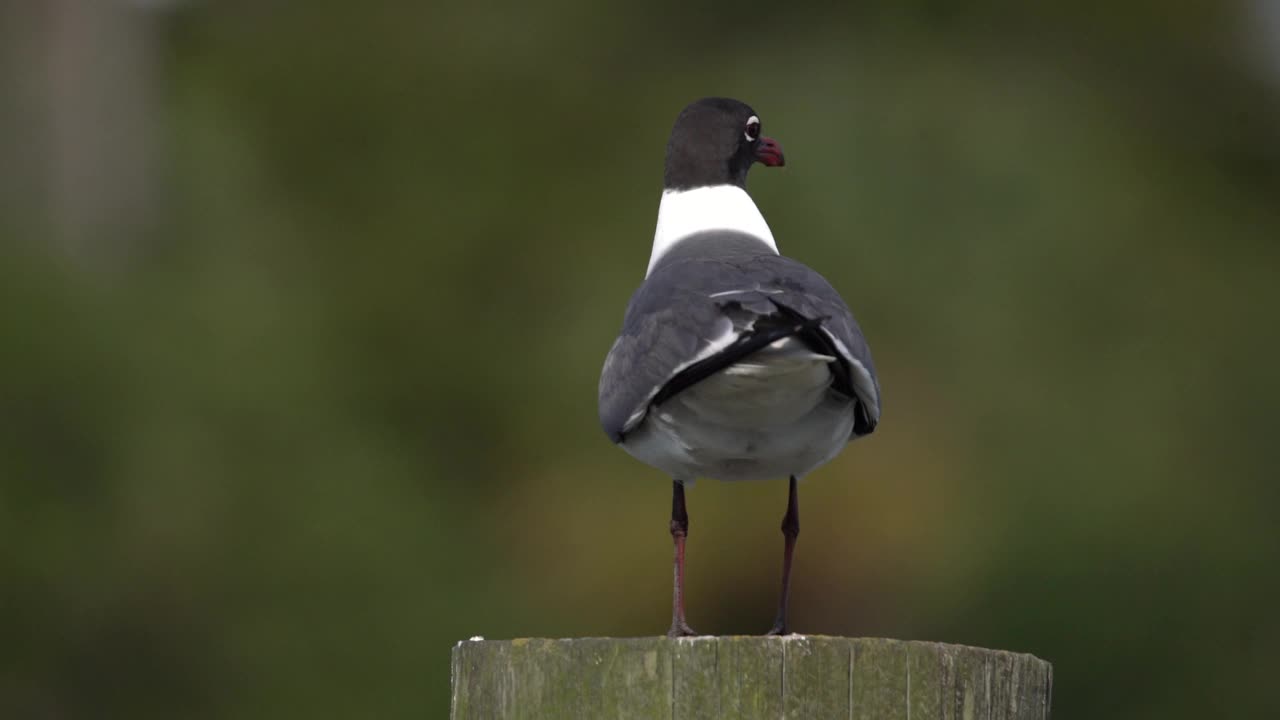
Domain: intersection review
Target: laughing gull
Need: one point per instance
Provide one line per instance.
(734, 362)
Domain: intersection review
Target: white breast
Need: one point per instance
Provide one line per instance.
(771, 415)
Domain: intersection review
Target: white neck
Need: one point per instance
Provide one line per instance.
(715, 207)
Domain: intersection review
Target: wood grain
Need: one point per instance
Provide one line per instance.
(746, 677)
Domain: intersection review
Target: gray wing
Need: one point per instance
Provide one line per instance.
(696, 316)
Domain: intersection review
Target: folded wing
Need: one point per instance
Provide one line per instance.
(694, 317)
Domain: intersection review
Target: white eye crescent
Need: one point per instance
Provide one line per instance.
(752, 132)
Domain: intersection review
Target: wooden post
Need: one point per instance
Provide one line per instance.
(739, 678)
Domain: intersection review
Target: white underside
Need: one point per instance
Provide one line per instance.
(772, 415)
(682, 213)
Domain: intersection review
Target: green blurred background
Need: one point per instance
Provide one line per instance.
(303, 305)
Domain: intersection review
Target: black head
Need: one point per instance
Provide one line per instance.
(714, 142)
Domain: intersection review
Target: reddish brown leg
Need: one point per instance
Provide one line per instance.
(679, 531)
(790, 531)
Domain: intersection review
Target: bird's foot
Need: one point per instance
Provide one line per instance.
(779, 628)
(680, 628)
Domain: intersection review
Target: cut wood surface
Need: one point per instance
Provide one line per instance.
(740, 677)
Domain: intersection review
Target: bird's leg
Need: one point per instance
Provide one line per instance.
(679, 531)
(790, 531)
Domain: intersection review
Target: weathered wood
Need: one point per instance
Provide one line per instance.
(739, 678)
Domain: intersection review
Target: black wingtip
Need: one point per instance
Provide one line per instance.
(862, 422)
(741, 348)
(810, 332)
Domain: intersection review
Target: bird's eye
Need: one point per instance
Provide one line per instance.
(753, 129)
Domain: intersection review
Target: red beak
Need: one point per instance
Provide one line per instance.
(769, 152)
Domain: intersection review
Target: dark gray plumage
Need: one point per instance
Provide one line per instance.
(674, 315)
